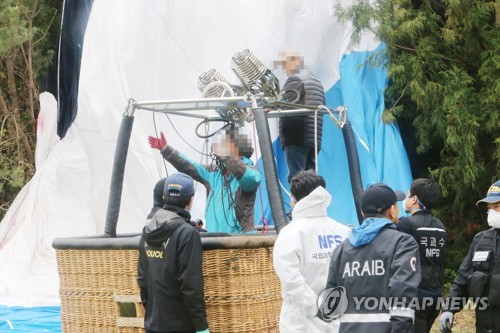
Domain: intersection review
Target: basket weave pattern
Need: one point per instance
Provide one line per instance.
(242, 292)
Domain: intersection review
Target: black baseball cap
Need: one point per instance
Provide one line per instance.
(377, 198)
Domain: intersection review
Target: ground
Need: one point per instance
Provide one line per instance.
(465, 322)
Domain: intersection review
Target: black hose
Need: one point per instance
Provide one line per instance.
(354, 169)
(214, 132)
(115, 191)
(270, 174)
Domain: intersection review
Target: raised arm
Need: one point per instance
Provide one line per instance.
(181, 162)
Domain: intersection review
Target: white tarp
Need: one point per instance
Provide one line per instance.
(145, 50)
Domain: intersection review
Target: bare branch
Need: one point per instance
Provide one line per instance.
(20, 134)
(399, 98)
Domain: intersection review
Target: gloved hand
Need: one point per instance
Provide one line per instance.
(205, 331)
(156, 143)
(446, 322)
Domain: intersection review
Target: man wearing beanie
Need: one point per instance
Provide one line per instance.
(377, 263)
(169, 270)
(231, 183)
(479, 274)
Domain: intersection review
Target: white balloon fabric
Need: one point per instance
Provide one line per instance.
(155, 50)
(54, 203)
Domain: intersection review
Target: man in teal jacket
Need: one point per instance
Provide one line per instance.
(231, 185)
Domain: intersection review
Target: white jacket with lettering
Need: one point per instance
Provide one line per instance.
(301, 257)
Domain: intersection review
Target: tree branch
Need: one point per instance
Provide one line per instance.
(20, 134)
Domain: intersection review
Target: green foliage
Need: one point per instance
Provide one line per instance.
(449, 276)
(443, 62)
(12, 27)
(13, 173)
(28, 35)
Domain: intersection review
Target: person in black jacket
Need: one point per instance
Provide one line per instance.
(377, 267)
(299, 135)
(158, 201)
(432, 239)
(479, 274)
(169, 270)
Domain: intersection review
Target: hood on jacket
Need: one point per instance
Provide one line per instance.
(157, 197)
(314, 205)
(161, 226)
(366, 233)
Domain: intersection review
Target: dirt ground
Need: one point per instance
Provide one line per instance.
(464, 322)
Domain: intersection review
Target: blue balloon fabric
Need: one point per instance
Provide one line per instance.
(380, 149)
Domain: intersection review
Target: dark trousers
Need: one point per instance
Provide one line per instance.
(426, 315)
(299, 158)
(425, 318)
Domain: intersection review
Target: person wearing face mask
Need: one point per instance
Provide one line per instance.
(479, 273)
(432, 239)
(377, 263)
(231, 185)
(169, 267)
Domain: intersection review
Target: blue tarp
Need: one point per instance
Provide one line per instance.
(382, 155)
(30, 320)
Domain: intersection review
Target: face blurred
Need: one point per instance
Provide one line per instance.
(292, 61)
(226, 148)
(292, 65)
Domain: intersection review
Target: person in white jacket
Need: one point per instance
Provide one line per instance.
(302, 254)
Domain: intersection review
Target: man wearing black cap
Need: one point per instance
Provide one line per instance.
(379, 268)
(479, 274)
(169, 271)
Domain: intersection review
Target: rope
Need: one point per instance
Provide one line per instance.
(341, 123)
(158, 138)
(263, 219)
(316, 140)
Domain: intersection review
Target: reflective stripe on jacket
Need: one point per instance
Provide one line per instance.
(381, 279)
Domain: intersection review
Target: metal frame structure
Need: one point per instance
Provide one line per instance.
(258, 109)
(227, 103)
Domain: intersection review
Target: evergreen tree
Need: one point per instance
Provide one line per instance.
(443, 62)
(27, 39)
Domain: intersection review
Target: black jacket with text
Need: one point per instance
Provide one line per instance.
(381, 279)
(169, 273)
(431, 237)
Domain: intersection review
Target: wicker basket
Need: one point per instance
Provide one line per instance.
(242, 292)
